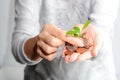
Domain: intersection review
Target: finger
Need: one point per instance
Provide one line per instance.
(74, 57)
(67, 58)
(96, 45)
(46, 48)
(86, 55)
(63, 51)
(47, 57)
(88, 39)
(55, 31)
(66, 52)
(53, 41)
(81, 50)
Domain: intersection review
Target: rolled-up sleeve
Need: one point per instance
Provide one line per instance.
(27, 26)
(103, 14)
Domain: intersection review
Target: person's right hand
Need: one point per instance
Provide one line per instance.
(50, 39)
(48, 42)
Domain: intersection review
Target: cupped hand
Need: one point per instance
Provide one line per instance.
(94, 41)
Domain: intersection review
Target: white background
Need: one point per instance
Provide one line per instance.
(9, 68)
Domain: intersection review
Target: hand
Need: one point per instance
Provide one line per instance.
(48, 42)
(94, 40)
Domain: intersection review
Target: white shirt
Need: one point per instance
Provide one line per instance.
(29, 13)
(32, 15)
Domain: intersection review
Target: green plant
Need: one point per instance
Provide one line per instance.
(76, 30)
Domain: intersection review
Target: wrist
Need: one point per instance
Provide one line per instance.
(30, 47)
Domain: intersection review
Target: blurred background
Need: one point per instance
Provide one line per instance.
(9, 68)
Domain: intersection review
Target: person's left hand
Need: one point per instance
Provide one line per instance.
(94, 40)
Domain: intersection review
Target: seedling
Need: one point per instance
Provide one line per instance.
(76, 32)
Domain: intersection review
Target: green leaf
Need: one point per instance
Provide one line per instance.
(86, 24)
(70, 32)
(76, 34)
(76, 29)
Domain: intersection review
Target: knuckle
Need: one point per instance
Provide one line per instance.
(38, 43)
(47, 26)
(40, 36)
(52, 42)
(50, 57)
(48, 50)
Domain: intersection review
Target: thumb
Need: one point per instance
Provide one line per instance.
(96, 46)
(74, 41)
(95, 51)
(55, 31)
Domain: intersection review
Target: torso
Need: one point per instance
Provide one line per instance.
(65, 14)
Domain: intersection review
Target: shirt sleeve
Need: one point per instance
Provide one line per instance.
(27, 26)
(103, 14)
